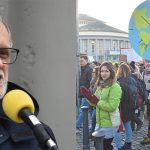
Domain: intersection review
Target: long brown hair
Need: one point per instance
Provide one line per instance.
(123, 71)
(111, 68)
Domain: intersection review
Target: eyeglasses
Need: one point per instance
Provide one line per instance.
(8, 55)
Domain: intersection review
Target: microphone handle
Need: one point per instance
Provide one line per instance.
(42, 136)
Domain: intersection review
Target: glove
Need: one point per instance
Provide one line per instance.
(87, 93)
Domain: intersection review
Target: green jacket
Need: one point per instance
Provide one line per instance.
(109, 100)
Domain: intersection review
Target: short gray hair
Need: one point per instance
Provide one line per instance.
(7, 28)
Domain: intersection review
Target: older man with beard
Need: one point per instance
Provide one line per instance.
(14, 136)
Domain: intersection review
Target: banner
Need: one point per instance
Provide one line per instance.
(131, 55)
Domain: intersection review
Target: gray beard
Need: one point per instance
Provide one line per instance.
(4, 91)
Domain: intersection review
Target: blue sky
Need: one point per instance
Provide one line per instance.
(116, 13)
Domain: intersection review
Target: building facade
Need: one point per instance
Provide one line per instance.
(100, 40)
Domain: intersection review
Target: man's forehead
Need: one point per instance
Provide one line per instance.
(82, 59)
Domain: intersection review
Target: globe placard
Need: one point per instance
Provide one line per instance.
(139, 30)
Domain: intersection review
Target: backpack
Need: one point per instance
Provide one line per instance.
(129, 90)
(142, 90)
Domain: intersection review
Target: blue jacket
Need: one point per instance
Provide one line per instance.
(19, 136)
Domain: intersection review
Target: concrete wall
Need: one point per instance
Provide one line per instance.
(4, 8)
(45, 33)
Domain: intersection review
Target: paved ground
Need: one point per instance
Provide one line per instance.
(137, 137)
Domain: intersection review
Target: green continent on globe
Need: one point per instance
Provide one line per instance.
(144, 40)
(141, 20)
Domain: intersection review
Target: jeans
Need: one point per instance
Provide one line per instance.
(79, 120)
(118, 139)
(128, 135)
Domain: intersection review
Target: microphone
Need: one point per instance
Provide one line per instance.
(19, 107)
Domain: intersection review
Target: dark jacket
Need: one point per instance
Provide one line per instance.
(128, 99)
(18, 136)
(148, 105)
(85, 78)
(141, 88)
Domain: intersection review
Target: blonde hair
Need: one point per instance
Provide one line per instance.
(123, 71)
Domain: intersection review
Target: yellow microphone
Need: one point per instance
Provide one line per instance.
(14, 102)
(19, 107)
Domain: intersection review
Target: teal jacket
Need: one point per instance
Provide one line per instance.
(109, 99)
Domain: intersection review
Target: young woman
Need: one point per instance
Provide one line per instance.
(108, 93)
(127, 105)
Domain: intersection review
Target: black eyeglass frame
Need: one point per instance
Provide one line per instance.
(17, 52)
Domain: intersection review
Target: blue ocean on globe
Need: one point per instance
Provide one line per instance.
(134, 36)
(134, 32)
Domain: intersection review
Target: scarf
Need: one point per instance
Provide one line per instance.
(105, 83)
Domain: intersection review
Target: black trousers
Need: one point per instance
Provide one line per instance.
(107, 144)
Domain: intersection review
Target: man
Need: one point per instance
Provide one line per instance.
(146, 78)
(14, 136)
(85, 78)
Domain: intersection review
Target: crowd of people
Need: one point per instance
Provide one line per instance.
(116, 95)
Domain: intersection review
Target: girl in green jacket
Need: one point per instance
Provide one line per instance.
(108, 93)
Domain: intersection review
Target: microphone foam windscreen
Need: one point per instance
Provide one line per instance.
(14, 101)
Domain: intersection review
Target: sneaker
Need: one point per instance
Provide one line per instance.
(126, 146)
(139, 126)
(145, 141)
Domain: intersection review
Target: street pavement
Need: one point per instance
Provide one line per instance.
(137, 137)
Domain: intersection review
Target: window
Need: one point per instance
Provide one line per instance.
(115, 45)
(108, 45)
(84, 45)
(100, 45)
(93, 46)
(121, 44)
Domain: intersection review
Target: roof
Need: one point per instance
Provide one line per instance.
(86, 17)
(97, 25)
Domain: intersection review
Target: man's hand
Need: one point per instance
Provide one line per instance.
(87, 93)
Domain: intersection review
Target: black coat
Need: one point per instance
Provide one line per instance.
(18, 136)
(128, 99)
(85, 77)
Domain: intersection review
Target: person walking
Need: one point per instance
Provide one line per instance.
(85, 79)
(146, 78)
(141, 88)
(127, 105)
